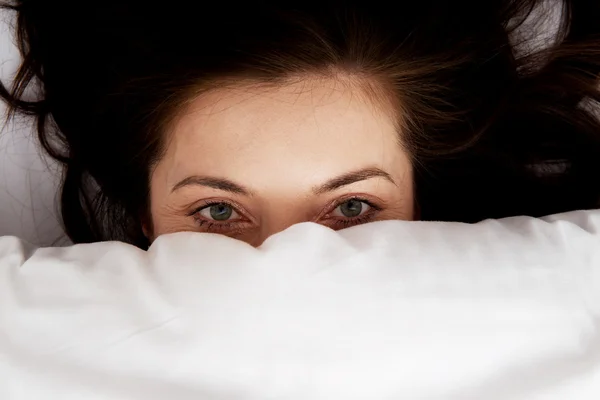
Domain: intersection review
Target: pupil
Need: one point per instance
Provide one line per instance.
(220, 212)
(351, 208)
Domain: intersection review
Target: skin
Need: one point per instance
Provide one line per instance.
(282, 150)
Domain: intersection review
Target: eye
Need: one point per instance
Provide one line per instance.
(220, 217)
(352, 211)
(351, 208)
(218, 212)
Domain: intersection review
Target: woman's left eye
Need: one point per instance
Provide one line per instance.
(351, 208)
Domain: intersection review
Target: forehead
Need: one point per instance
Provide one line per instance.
(318, 122)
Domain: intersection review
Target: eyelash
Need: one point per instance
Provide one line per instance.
(212, 226)
(340, 223)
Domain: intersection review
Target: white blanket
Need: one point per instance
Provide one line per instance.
(389, 310)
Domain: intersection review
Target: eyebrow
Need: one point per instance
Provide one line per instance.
(216, 183)
(333, 184)
(350, 178)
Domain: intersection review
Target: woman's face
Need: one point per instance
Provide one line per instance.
(252, 161)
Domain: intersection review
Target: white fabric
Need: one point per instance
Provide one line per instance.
(389, 310)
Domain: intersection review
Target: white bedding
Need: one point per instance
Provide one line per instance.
(394, 310)
(390, 310)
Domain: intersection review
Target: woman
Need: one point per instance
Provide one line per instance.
(243, 120)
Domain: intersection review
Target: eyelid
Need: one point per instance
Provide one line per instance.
(366, 211)
(375, 206)
(244, 215)
(235, 215)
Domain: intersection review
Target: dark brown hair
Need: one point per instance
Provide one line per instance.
(495, 128)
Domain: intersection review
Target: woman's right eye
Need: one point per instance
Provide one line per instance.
(218, 212)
